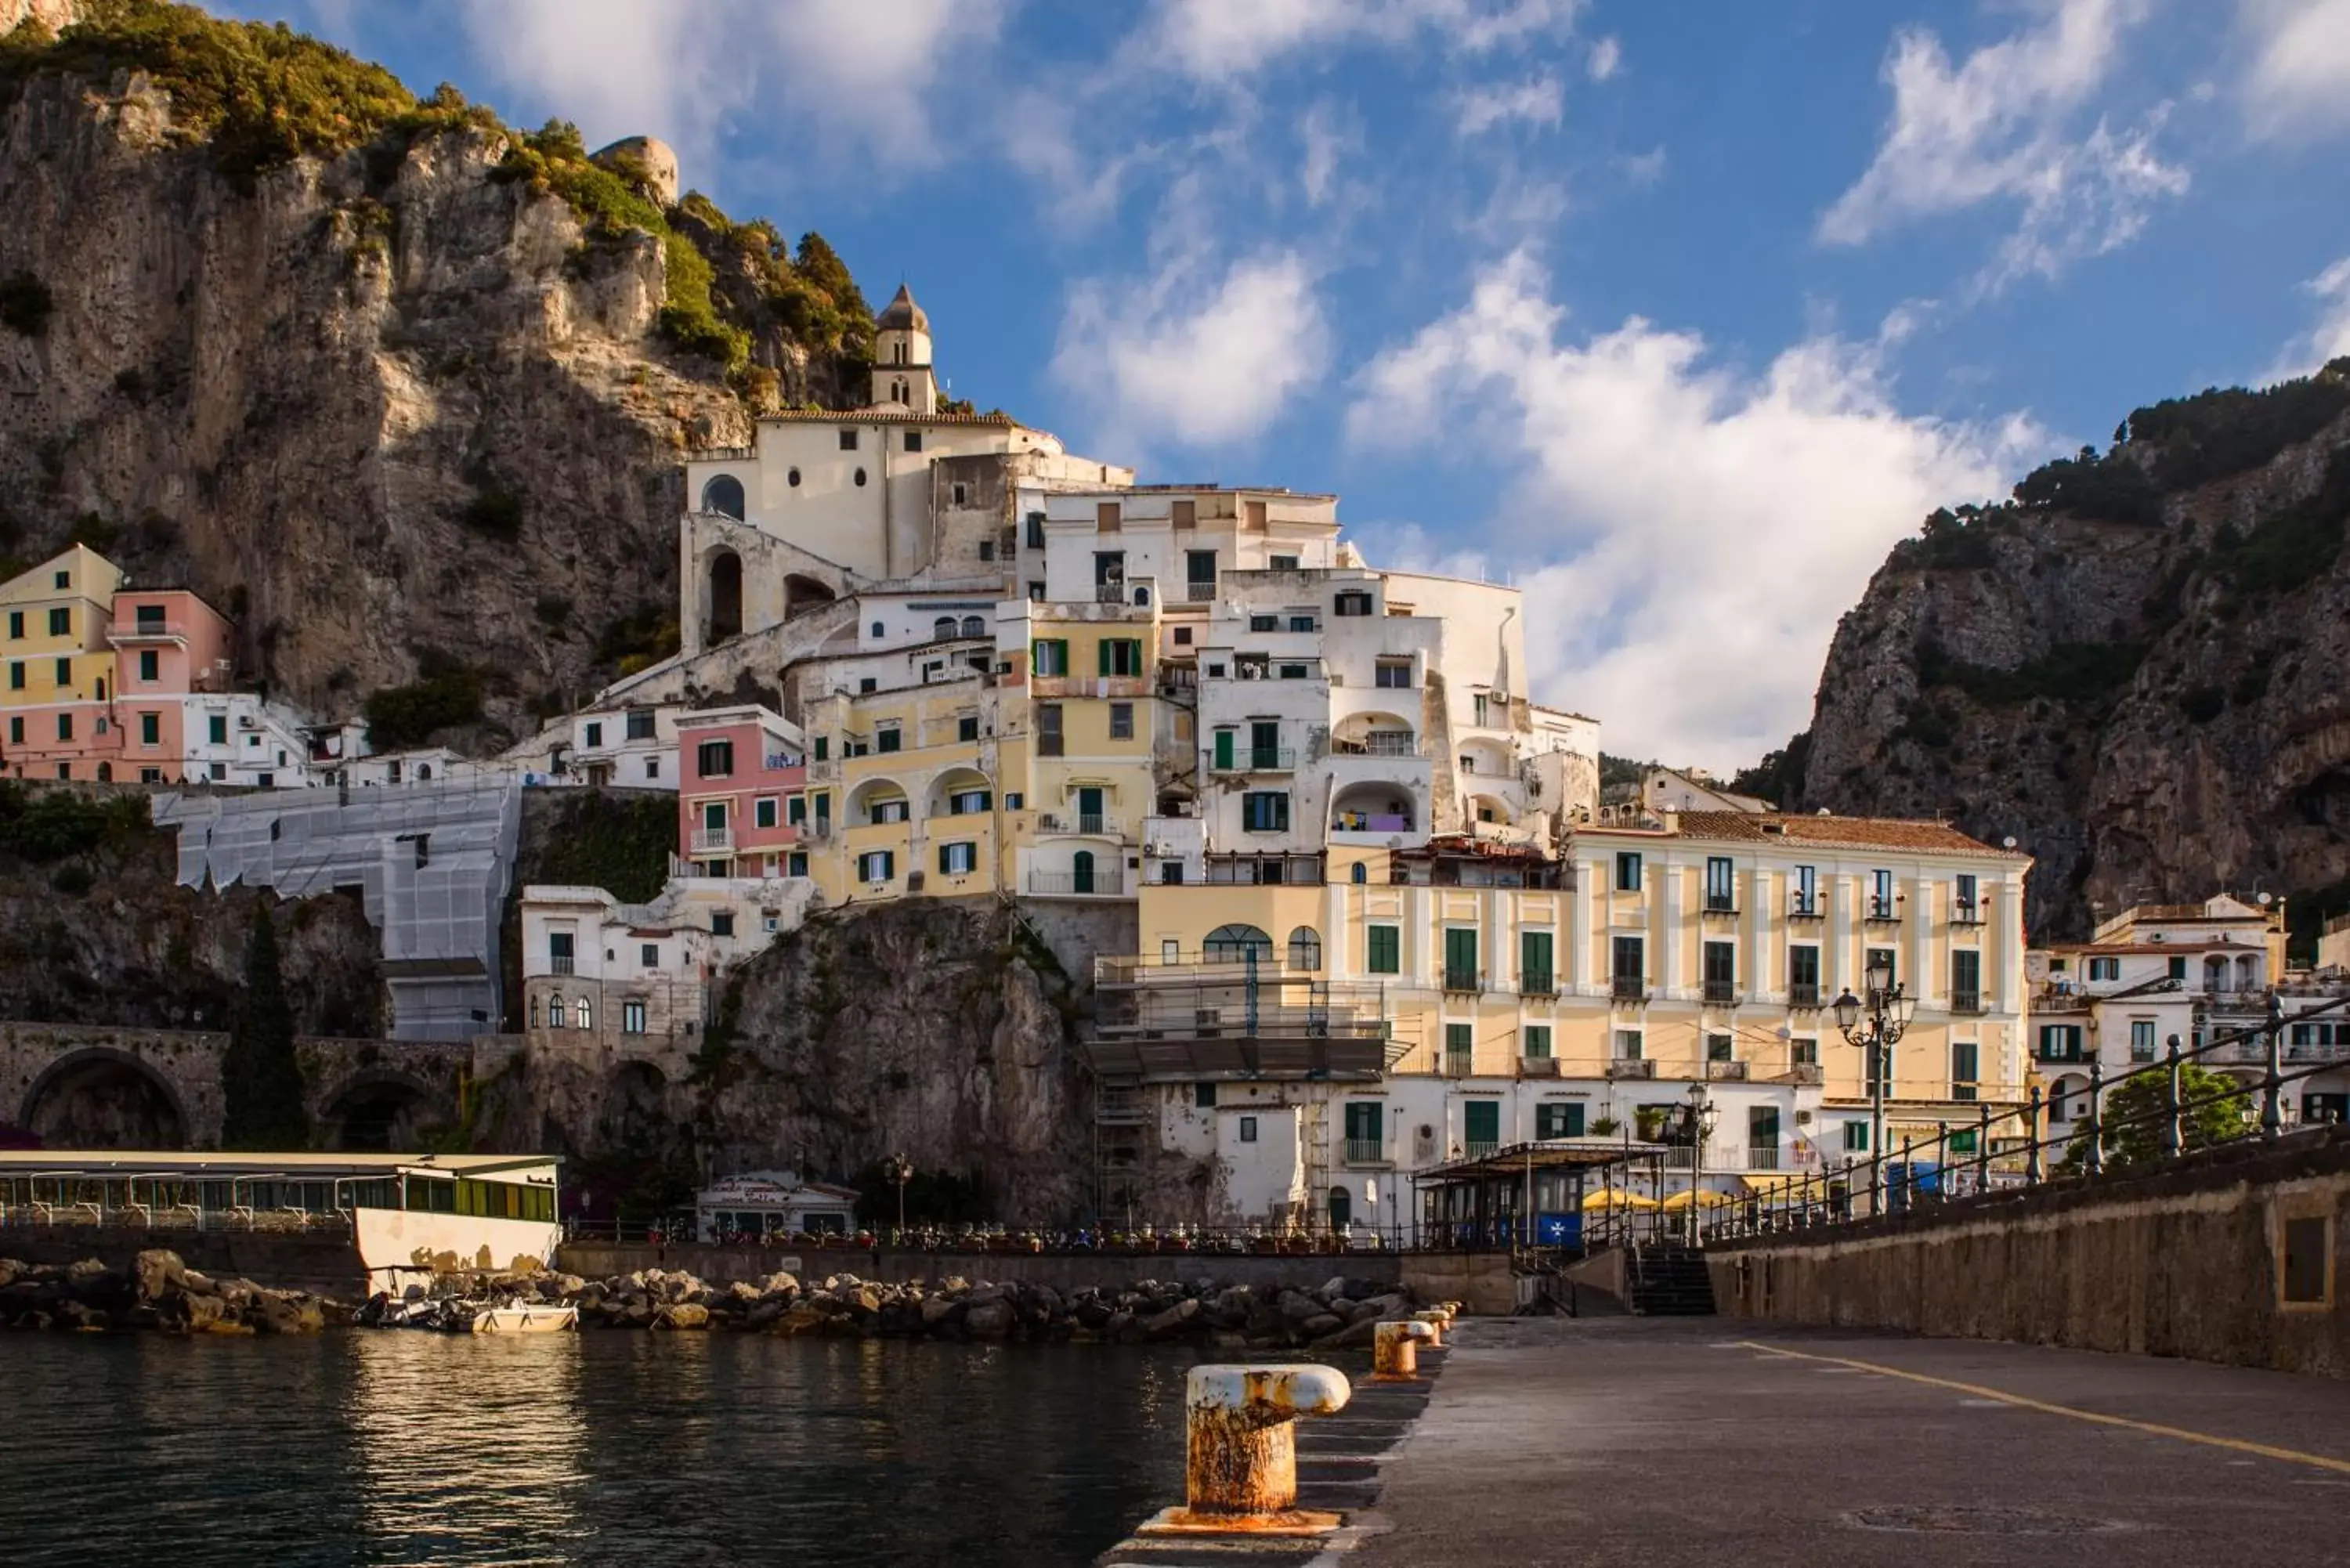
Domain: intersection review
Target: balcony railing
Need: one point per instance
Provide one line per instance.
(1726, 1071)
(1802, 994)
(1803, 1072)
(1085, 824)
(1806, 907)
(1722, 990)
(1538, 1067)
(1257, 760)
(1367, 1151)
(1720, 904)
(1631, 1067)
(1109, 593)
(1464, 980)
(1379, 743)
(1966, 912)
(561, 964)
(1198, 593)
(1882, 910)
(1966, 1002)
(1538, 982)
(713, 840)
(1628, 988)
(1460, 1063)
(1480, 1148)
(1108, 883)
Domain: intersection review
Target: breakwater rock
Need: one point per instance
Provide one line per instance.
(159, 1293)
(1337, 1314)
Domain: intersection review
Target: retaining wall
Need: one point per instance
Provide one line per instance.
(2232, 1256)
(323, 1265)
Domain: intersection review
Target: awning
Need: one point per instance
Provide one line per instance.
(1709, 1198)
(1617, 1198)
(1765, 1186)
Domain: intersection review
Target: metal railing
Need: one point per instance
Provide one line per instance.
(1082, 823)
(2130, 1122)
(1628, 988)
(1464, 980)
(1802, 996)
(561, 964)
(1800, 908)
(1631, 1067)
(1109, 883)
(1882, 910)
(1379, 743)
(1256, 760)
(1722, 990)
(1966, 1002)
(1966, 913)
(1538, 982)
(1367, 1151)
(1720, 904)
(713, 840)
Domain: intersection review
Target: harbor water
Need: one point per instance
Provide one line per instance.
(619, 1449)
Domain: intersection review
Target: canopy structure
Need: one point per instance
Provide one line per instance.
(1617, 1198)
(1705, 1198)
(1537, 1194)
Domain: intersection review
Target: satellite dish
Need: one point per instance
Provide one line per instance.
(2009, 842)
(1826, 812)
(2265, 900)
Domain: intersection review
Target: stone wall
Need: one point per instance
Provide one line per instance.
(323, 1265)
(2228, 1256)
(1062, 1270)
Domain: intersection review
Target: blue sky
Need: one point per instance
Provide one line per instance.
(1678, 316)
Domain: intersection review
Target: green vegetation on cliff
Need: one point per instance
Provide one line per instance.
(261, 1079)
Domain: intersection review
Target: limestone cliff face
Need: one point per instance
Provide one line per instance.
(391, 408)
(2137, 673)
(942, 1030)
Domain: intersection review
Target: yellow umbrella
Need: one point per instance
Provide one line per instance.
(1709, 1198)
(1616, 1198)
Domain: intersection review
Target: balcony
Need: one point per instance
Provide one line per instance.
(1762, 1156)
(1079, 825)
(1199, 592)
(1719, 904)
(1109, 593)
(147, 631)
(1466, 982)
(1538, 1067)
(1540, 982)
(1631, 1067)
(1379, 743)
(1367, 1151)
(1966, 1002)
(1966, 912)
(1480, 1148)
(1721, 993)
(1460, 1063)
(1807, 907)
(1106, 884)
(713, 841)
(1882, 912)
(1800, 995)
(1257, 760)
(561, 964)
(1628, 988)
(1726, 1071)
(1803, 1072)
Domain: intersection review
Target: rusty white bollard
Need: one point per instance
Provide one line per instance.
(1240, 1428)
(1395, 1356)
(1438, 1320)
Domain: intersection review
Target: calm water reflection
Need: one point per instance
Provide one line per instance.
(620, 1448)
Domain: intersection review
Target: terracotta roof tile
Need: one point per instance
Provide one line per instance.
(1836, 832)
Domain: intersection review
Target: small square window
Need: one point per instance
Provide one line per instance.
(722, 924)
(1182, 637)
(913, 441)
(967, 727)
(848, 441)
(1121, 721)
(649, 956)
(1248, 1129)
(65, 579)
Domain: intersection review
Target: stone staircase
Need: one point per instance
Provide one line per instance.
(1664, 1281)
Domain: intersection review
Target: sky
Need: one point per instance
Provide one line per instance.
(1678, 316)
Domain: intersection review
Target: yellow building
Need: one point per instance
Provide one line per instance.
(60, 670)
(901, 794)
(1080, 698)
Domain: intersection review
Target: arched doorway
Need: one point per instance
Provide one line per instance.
(723, 495)
(1342, 1209)
(726, 595)
(104, 1099)
(380, 1114)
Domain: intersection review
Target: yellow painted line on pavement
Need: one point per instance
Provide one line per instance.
(2154, 1428)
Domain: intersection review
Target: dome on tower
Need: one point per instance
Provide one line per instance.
(901, 313)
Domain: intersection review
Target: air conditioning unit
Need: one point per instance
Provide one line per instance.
(247, 722)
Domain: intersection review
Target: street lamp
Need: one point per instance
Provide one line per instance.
(1874, 1025)
(1701, 1115)
(899, 1170)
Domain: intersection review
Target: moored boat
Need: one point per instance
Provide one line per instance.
(535, 1318)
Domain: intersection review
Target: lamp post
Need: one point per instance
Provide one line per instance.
(899, 1170)
(1874, 1025)
(1700, 1116)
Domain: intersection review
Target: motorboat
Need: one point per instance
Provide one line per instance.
(526, 1318)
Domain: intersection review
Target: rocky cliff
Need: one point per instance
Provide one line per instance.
(2135, 668)
(402, 390)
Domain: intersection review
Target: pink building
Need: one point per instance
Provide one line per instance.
(740, 775)
(168, 645)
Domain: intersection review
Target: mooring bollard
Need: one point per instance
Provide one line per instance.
(1240, 1428)
(1395, 1354)
(1438, 1320)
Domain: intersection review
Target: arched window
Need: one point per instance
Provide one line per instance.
(1305, 949)
(723, 495)
(1234, 944)
(974, 626)
(556, 1016)
(876, 629)
(791, 478)
(861, 477)
(1361, 872)
(944, 628)
(897, 354)
(101, 690)
(534, 1013)
(1342, 1209)
(587, 1013)
(106, 773)
(423, 771)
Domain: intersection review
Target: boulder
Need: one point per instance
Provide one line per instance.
(802, 1319)
(989, 1320)
(1173, 1322)
(1356, 1335)
(683, 1315)
(158, 1273)
(936, 1310)
(1316, 1328)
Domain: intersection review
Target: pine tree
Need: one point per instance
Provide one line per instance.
(261, 1082)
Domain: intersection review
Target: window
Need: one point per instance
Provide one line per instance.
(1366, 1129)
(639, 724)
(1460, 958)
(1535, 972)
(1302, 623)
(652, 767)
(1120, 656)
(723, 923)
(150, 665)
(1236, 944)
(942, 628)
(859, 477)
(1460, 1045)
(1966, 980)
(1872, 957)
(17, 625)
(1963, 894)
(791, 478)
(1555, 1118)
(1248, 1129)
(649, 955)
(886, 739)
(632, 1018)
(1204, 1096)
(715, 759)
(17, 675)
(151, 729)
(1807, 891)
(61, 623)
(986, 546)
(894, 809)
(1012, 800)
(65, 579)
(65, 672)
(795, 863)
(1537, 1042)
(592, 734)
(2141, 1039)
(762, 813)
(1265, 623)
(1721, 960)
(2178, 968)
(1305, 949)
(848, 441)
(150, 775)
(1049, 656)
(1351, 603)
(17, 731)
(958, 859)
(913, 441)
(1720, 884)
(1393, 673)
(1880, 895)
(1384, 953)
(1280, 562)
(1264, 810)
(1803, 1050)
(1121, 721)
(1627, 1044)
(1803, 976)
(967, 803)
(1048, 730)
(973, 626)
(65, 729)
(1720, 1048)
(2060, 1042)
(2105, 969)
(876, 865)
(1855, 1137)
(1296, 672)
(1627, 871)
(1483, 709)
(1630, 964)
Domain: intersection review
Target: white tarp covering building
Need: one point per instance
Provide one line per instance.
(433, 863)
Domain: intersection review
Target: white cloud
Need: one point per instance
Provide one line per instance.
(1192, 357)
(1327, 142)
(2328, 339)
(619, 68)
(1686, 535)
(1606, 59)
(2298, 83)
(1539, 100)
(1214, 38)
(1643, 168)
(2003, 126)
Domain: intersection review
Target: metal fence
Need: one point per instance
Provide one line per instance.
(2160, 1118)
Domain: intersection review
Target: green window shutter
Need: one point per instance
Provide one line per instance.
(1101, 655)
(1461, 951)
(1534, 955)
(1385, 954)
(1224, 750)
(1481, 1120)
(1281, 813)
(1459, 1039)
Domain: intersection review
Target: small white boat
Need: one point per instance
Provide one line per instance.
(534, 1318)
